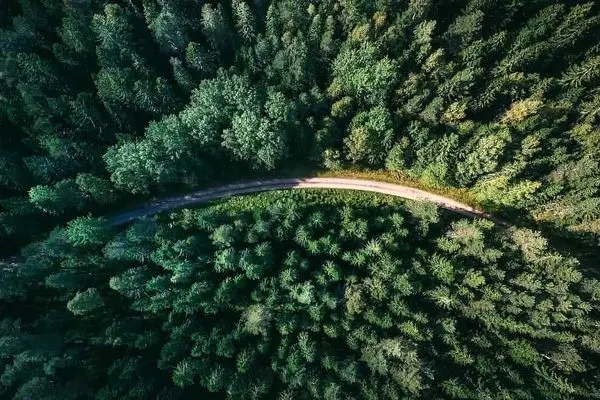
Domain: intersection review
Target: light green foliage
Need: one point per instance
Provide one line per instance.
(260, 140)
(363, 73)
(137, 166)
(430, 159)
(583, 74)
(396, 159)
(468, 239)
(481, 156)
(498, 189)
(226, 113)
(371, 136)
(520, 110)
(244, 19)
(332, 159)
(256, 320)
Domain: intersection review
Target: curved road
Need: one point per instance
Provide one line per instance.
(219, 192)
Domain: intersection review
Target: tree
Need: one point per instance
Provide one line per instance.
(395, 355)
(214, 27)
(256, 320)
(199, 58)
(583, 74)
(12, 174)
(464, 29)
(371, 136)
(87, 231)
(364, 74)
(75, 32)
(520, 110)
(247, 133)
(85, 302)
(99, 189)
(396, 158)
(244, 19)
(126, 79)
(481, 156)
(167, 29)
(499, 190)
(64, 197)
(433, 162)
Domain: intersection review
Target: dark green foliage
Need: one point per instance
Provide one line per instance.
(309, 295)
(85, 302)
(127, 80)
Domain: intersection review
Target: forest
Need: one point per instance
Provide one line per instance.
(304, 296)
(105, 104)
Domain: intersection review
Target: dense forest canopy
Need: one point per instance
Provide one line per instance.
(298, 297)
(104, 99)
(106, 103)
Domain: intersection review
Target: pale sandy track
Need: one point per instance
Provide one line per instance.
(220, 192)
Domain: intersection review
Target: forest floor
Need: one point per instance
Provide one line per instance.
(369, 185)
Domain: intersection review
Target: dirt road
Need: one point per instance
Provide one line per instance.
(219, 192)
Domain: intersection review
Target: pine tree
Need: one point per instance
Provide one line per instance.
(126, 79)
(85, 302)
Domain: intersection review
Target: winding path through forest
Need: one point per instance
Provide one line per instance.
(225, 191)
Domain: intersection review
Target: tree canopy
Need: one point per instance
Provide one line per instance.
(107, 103)
(302, 296)
(146, 96)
